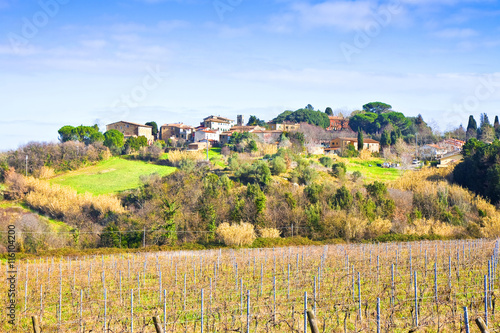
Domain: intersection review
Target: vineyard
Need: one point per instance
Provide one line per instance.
(423, 285)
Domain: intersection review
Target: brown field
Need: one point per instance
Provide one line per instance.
(94, 294)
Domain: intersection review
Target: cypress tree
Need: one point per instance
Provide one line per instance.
(496, 124)
(471, 128)
(360, 139)
(472, 123)
(385, 140)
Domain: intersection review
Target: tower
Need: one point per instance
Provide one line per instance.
(240, 120)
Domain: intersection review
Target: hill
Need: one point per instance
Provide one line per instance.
(110, 176)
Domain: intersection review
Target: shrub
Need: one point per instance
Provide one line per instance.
(269, 233)
(378, 227)
(44, 173)
(64, 202)
(16, 184)
(424, 226)
(236, 234)
(176, 156)
(278, 165)
(356, 175)
(339, 169)
(326, 161)
(256, 173)
(313, 192)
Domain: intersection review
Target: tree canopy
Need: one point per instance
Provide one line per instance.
(377, 107)
(372, 123)
(85, 134)
(306, 115)
(113, 138)
(155, 127)
(254, 121)
(480, 169)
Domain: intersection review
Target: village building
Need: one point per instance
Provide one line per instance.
(195, 146)
(284, 127)
(132, 130)
(176, 131)
(217, 123)
(338, 145)
(431, 151)
(338, 123)
(268, 136)
(452, 144)
(449, 159)
(202, 134)
(225, 137)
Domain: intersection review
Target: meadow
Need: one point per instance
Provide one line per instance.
(422, 285)
(370, 171)
(110, 176)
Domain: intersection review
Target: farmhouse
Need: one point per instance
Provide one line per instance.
(226, 136)
(338, 123)
(268, 136)
(195, 146)
(286, 126)
(339, 144)
(217, 123)
(176, 131)
(203, 134)
(449, 159)
(432, 151)
(132, 130)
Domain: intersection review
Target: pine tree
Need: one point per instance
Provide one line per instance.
(360, 139)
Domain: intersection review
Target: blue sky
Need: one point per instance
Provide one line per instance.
(81, 62)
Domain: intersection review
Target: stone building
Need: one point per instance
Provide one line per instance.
(132, 130)
(176, 132)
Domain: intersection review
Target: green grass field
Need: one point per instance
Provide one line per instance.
(373, 172)
(111, 176)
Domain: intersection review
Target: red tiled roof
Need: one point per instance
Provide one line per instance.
(128, 122)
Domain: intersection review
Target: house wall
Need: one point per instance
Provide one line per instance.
(129, 130)
(201, 135)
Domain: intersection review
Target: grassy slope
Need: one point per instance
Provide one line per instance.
(111, 176)
(55, 225)
(374, 172)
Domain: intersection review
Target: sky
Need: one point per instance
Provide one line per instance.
(74, 62)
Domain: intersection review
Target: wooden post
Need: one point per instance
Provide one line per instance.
(157, 323)
(312, 322)
(482, 326)
(36, 325)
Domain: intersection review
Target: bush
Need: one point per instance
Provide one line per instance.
(278, 166)
(326, 161)
(236, 234)
(177, 156)
(256, 173)
(339, 169)
(356, 175)
(64, 202)
(16, 184)
(269, 233)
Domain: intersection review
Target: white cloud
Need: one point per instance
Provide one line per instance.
(94, 43)
(341, 15)
(456, 33)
